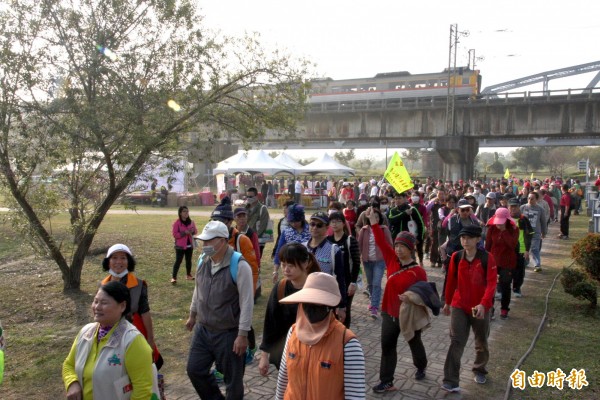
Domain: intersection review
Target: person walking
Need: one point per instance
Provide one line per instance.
(537, 219)
(565, 212)
(501, 241)
(318, 335)
(470, 288)
(220, 316)
(525, 234)
(402, 272)
(258, 217)
(183, 231)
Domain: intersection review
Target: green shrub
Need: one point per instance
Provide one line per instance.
(586, 252)
(577, 283)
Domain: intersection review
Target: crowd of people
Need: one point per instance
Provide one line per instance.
(482, 235)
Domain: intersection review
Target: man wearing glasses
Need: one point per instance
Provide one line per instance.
(539, 222)
(328, 255)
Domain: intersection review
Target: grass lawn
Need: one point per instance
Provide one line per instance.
(41, 322)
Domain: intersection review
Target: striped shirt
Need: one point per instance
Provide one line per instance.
(354, 371)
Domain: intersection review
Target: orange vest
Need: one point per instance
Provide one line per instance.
(317, 372)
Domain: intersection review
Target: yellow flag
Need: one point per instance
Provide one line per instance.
(531, 178)
(397, 175)
(506, 174)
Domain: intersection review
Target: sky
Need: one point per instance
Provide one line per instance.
(357, 39)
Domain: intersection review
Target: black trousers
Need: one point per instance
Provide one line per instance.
(179, 254)
(505, 277)
(519, 272)
(564, 220)
(390, 330)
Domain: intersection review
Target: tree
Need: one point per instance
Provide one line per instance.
(529, 157)
(558, 159)
(344, 158)
(93, 93)
(411, 155)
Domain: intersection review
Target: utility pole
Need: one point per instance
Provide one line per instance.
(452, 78)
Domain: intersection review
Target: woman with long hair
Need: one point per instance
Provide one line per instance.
(296, 264)
(184, 230)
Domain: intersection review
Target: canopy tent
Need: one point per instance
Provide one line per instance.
(289, 162)
(325, 166)
(230, 163)
(254, 163)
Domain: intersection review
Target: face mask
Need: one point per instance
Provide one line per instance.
(384, 207)
(315, 312)
(210, 250)
(122, 274)
(362, 202)
(251, 200)
(415, 199)
(477, 191)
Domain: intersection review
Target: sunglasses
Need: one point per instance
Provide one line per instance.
(464, 210)
(316, 225)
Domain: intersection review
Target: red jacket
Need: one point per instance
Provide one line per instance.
(397, 283)
(502, 244)
(467, 288)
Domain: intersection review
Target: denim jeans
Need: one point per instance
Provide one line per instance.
(374, 272)
(208, 347)
(536, 248)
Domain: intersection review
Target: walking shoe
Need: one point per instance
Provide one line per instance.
(479, 377)
(373, 311)
(560, 236)
(189, 278)
(537, 268)
(219, 377)
(384, 387)
(503, 315)
(517, 293)
(450, 388)
(498, 296)
(173, 281)
(250, 355)
(420, 374)
(493, 314)
(565, 238)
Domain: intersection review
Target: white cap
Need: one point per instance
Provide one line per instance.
(118, 247)
(214, 229)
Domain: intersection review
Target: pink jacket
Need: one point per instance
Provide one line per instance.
(181, 238)
(363, 242)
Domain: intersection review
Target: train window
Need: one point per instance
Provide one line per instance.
(465, 81)
(372, 88)
(420, 84)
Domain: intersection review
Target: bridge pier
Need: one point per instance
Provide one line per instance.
(458, 154)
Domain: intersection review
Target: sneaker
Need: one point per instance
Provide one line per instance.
(503, 315)
(189, 278)
(498, 295)
(493, 314)
(420, 374)
(384, 387)
(537, 268)
(173, 281)
(219, 377)
(250, 355)
(450, 388)
(479, 377)
(373, 311)
(565, 238)
(517, 293)
(560, 236)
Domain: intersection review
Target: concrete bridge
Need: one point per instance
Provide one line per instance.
(548, 118)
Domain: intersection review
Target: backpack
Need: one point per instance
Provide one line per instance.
(481, 254)
(233, 267)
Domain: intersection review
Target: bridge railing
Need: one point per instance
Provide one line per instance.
(440, 101)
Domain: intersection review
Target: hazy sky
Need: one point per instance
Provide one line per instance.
(354, 39)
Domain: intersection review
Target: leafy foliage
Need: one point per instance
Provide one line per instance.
(586, 252)
(92, 95)
(344, 157)
(577, 283)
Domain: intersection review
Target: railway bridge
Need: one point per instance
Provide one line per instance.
(568, 117)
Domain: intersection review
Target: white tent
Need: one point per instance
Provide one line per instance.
(230, 163)
(289, 162)
(325, 165)
(257, 162)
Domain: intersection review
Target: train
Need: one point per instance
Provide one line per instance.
(464, 82)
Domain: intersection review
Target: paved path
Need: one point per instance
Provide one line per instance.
(436, 343)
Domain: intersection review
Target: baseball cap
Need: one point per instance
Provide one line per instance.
(471, 230)
(214, 229)
(118, 247)
(462, 203)
(321, 216)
